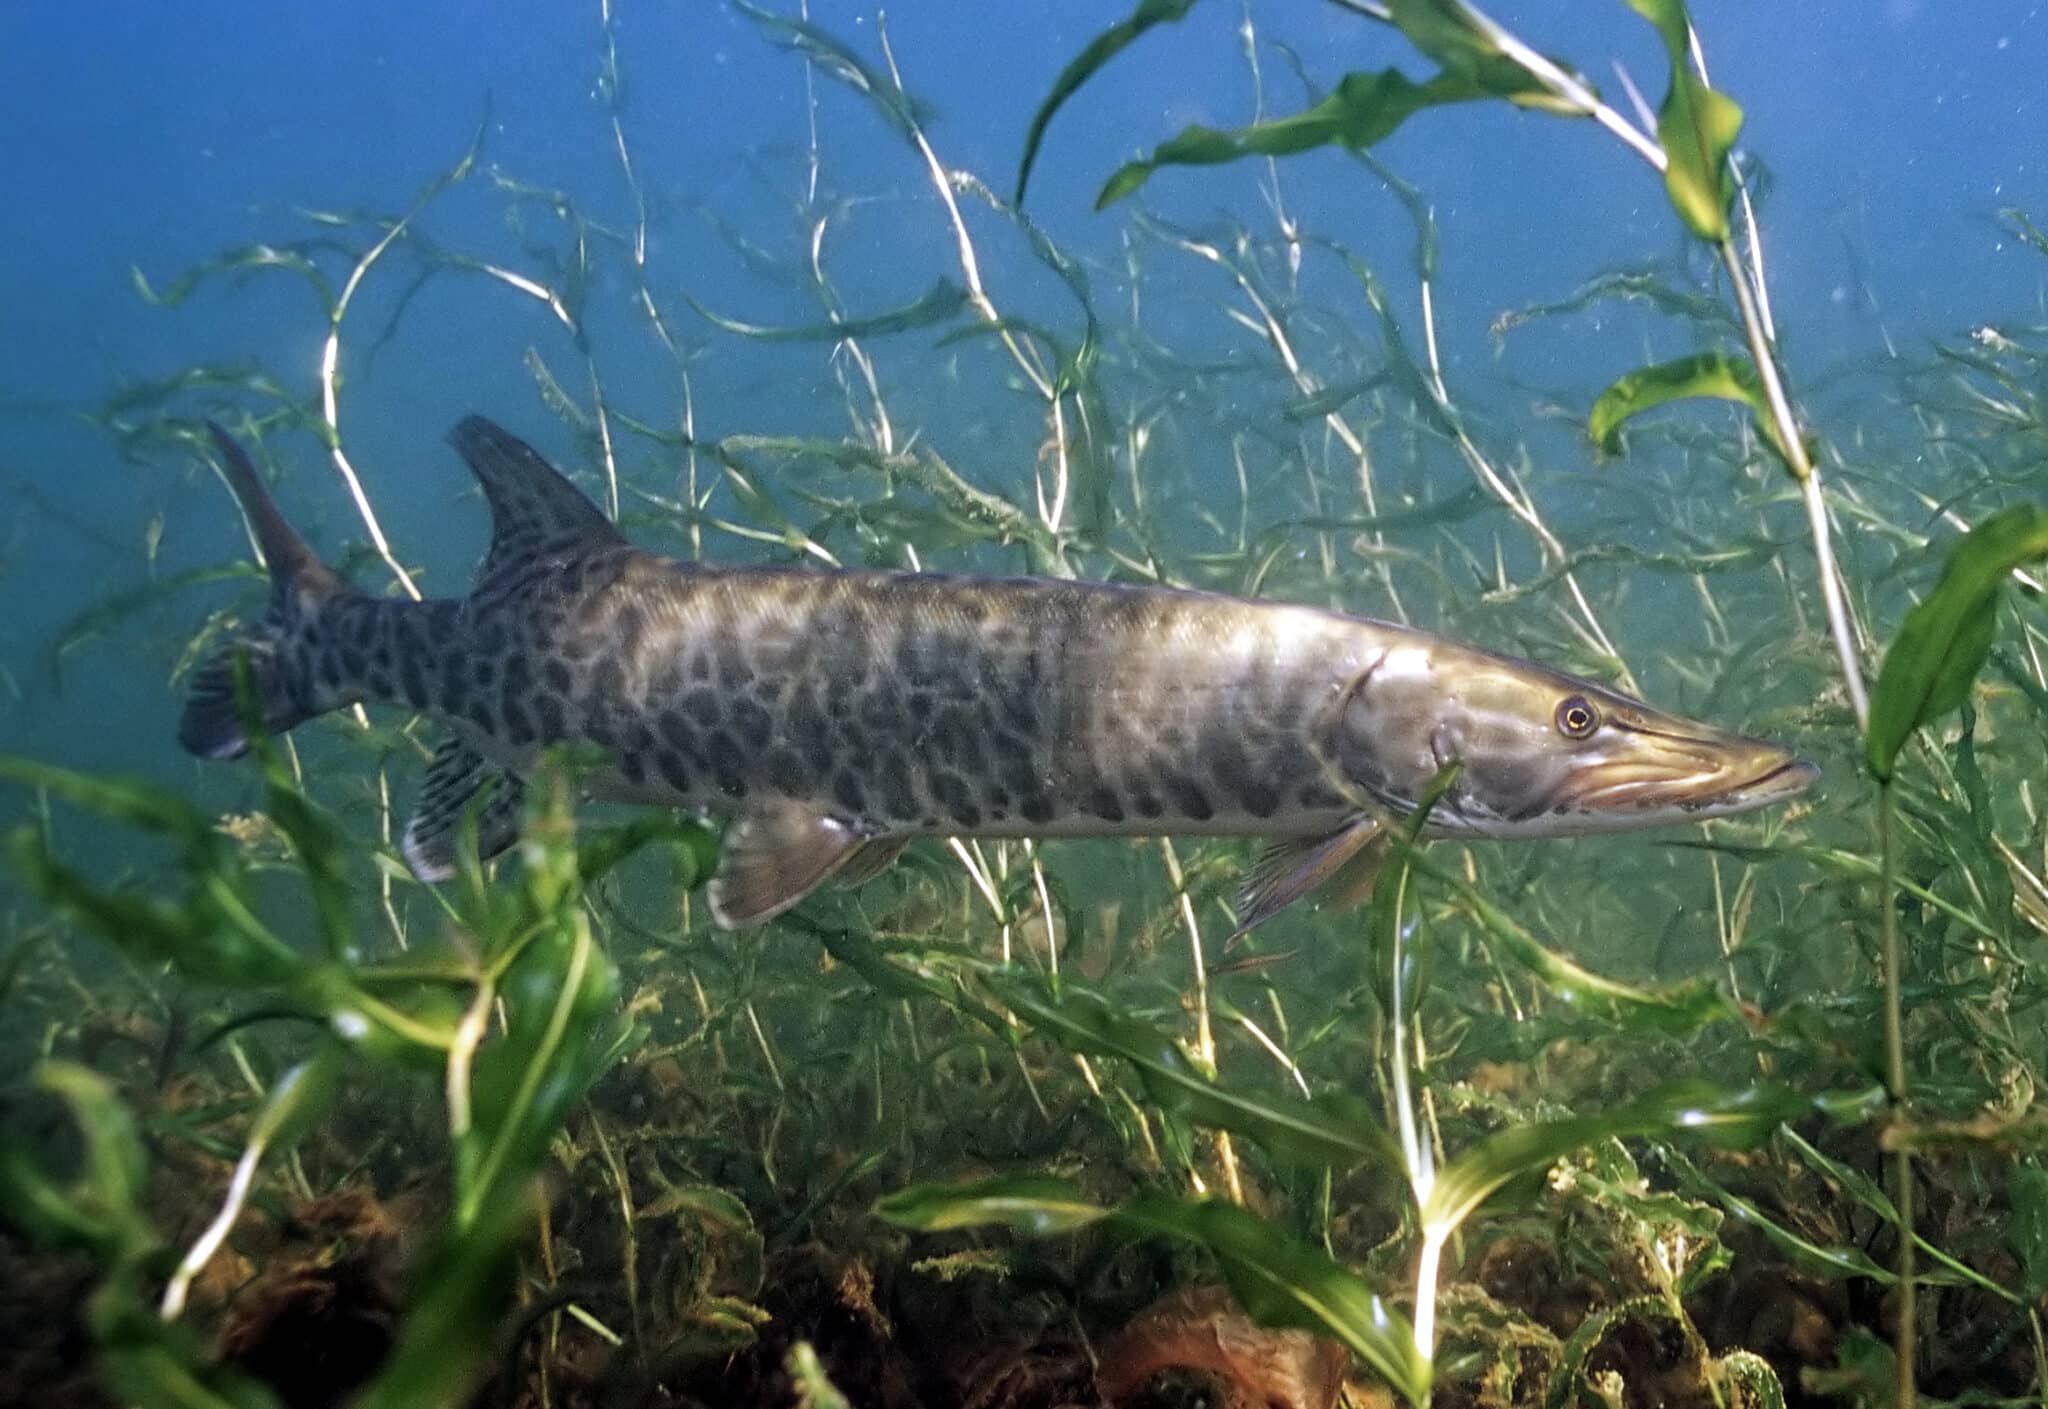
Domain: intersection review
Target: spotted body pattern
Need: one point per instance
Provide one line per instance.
(829, 712)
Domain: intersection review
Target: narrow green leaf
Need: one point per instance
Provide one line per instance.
(1083, 1020)
(1101, 49)
(1942, 644)
(941, 301)
(1364, 109)
(1035, 1204)
(1723, 375)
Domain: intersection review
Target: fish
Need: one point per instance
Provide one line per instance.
(832, 716)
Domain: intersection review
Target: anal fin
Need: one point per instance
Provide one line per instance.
(1343, 865)
(776, 853)
(460, 783)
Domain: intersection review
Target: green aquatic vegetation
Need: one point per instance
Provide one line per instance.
(1049, 1063)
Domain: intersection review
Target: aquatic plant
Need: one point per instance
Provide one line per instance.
(660, 1161)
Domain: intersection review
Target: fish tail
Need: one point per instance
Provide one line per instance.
(267, 661)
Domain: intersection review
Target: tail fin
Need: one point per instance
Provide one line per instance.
(281, 689)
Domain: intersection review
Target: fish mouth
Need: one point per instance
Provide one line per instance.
(1631, 793)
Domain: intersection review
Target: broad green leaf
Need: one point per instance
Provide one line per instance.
(1364, 109)
(1280, 1282)
(1448, 32)
(1727, 376)
(1033, 1204)
(1101, 49)
(1696, 127)
(1083, 1020)
(1942, 644)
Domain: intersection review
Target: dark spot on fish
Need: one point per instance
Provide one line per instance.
(848, 793)
(353, 663)
(1258, 799)
(380, 685)
(633, 767)
(557, 676)
(1147, 805)
(892, 775)
(453, 696)
(672, 770)
(413, 681)
(703, 707)
(1191, 801)
(483, 674)
(728, 764)
(1103, 803)
(553, 728)
(754, 724)
(1038, 809)
(608, 681)
(490, 635)
(698, 666)
(676, 732)
(1319, 796)
(518, 724)
(733, 671)
(784, 771)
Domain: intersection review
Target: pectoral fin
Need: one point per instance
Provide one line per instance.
(1343, 864)
(461, 782)
(776, 853)
(873, 858)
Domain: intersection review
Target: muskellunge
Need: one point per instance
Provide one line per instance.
(834, 715)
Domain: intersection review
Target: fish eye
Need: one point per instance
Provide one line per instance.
(1576, 719)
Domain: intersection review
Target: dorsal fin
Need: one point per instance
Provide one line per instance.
(295, 571)
(531, 502)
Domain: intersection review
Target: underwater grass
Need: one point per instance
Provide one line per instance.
(1363, 1123)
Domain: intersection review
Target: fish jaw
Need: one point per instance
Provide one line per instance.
(1693, 779)
(1544, 754)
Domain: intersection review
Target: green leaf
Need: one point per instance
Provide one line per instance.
(1364, 109)
(1447, 31)
(1726, 1115)
(1033, 1204)
(1280, 1282)
(1101, 49)
(1727, 376)
(941, 301)
(1083, 1020)
(1942, 644)
(1696, 127)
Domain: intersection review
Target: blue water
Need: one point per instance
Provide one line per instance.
(155, 137)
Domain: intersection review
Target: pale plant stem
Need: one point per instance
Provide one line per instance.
(1588, 627)
(1205, 1036)
(1905, 1341)
(1808, 474)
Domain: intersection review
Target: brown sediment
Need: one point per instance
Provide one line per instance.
(1201, 1331)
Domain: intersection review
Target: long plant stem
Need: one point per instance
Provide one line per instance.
(1808, 475)
(1905, 1337)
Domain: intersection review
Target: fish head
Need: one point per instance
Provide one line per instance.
(1543, 753)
